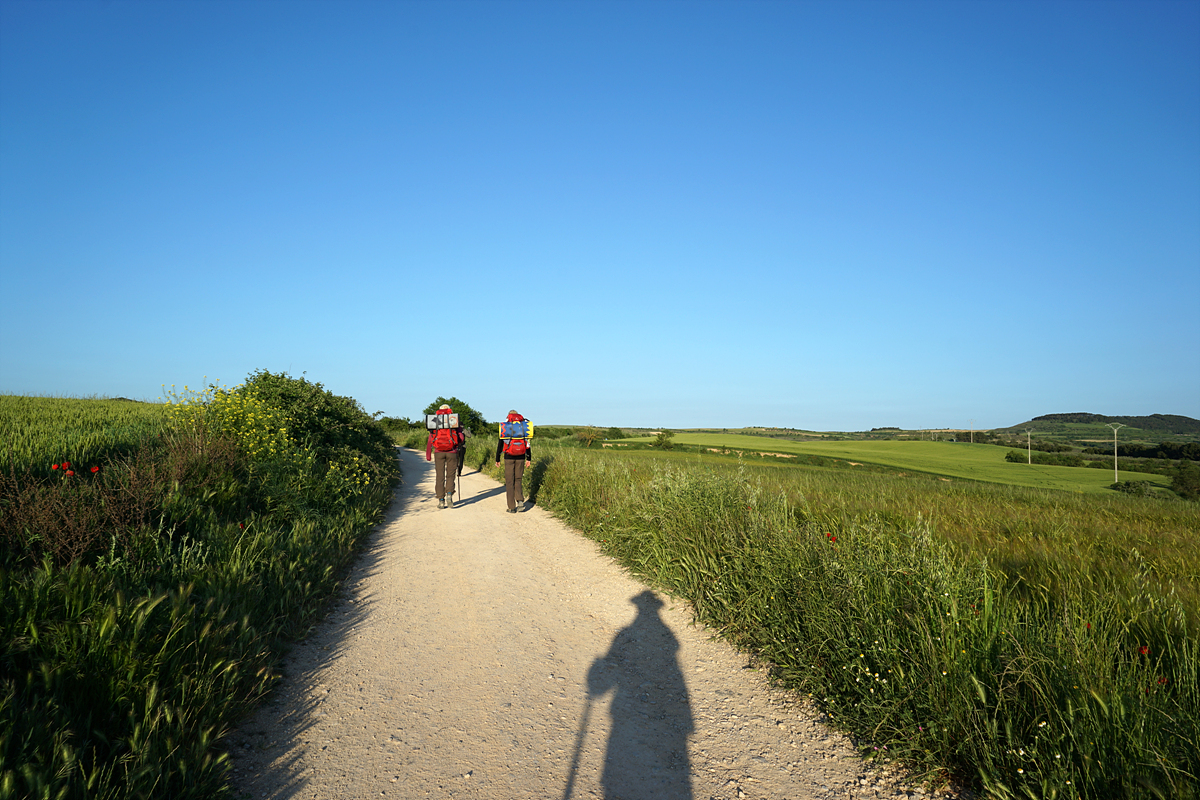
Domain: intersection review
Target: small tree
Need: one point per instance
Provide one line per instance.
(468, 417)
(587, 436)
(614, 433)
(663, 440)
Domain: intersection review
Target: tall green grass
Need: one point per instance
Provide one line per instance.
(1016, 662)
(127, 655)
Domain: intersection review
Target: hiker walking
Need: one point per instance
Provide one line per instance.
(442, 449)
(514, 445)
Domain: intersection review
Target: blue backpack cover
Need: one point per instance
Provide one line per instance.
(515, 430)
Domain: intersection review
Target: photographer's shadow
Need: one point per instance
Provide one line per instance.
(647, 755)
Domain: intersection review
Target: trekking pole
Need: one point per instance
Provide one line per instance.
(587, 711)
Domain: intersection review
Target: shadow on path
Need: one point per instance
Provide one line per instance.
(478, 497)
(647, 755)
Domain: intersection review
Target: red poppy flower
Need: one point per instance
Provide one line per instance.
(1144, 649)
(66, 464)
(95, 469)
(70, 472)
(1089, 626)
(54, 466)
(242, 525)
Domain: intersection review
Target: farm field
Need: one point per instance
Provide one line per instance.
(962, 460)
(38, 431)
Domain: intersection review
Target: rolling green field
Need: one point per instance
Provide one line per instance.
(950, 459)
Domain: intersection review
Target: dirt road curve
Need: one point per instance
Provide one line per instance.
(479, 654)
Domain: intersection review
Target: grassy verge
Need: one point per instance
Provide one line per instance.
(143, 605)
(1013, 638)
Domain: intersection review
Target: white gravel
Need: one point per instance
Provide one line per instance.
(456, 665)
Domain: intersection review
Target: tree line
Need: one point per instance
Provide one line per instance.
(1173, 450)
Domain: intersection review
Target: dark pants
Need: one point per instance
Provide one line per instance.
(444, 465)
(514, 470)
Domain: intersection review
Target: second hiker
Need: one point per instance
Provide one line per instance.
(514, 445)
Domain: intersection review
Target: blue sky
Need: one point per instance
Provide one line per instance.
(820, 215)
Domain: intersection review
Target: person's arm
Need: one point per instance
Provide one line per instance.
(499, 450)
(528, 454)
(429, 448)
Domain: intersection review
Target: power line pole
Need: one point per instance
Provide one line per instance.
(1029, 443)
(972, 431)
(1115, 426)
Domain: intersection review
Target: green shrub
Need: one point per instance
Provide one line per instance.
(1186, 481)
(1138, 488)
(330, 425)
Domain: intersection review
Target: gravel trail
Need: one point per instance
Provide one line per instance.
(479, 654)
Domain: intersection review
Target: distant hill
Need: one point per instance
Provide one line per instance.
(1159, 423)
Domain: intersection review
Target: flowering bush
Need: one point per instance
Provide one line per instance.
(207, 542)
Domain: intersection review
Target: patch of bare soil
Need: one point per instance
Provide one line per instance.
(480, 654)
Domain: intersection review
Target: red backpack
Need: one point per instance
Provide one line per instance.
(445, 440)
(516, 447)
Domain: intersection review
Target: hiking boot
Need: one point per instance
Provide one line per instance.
(441, 502)
(512, 511)
(449, 502)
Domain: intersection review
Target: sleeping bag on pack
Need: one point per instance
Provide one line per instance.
(435, 421)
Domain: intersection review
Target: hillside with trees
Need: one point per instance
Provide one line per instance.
(1161, 423)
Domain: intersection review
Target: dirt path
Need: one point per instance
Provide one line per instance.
(458, 664)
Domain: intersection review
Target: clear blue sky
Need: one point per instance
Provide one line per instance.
(821, 215)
